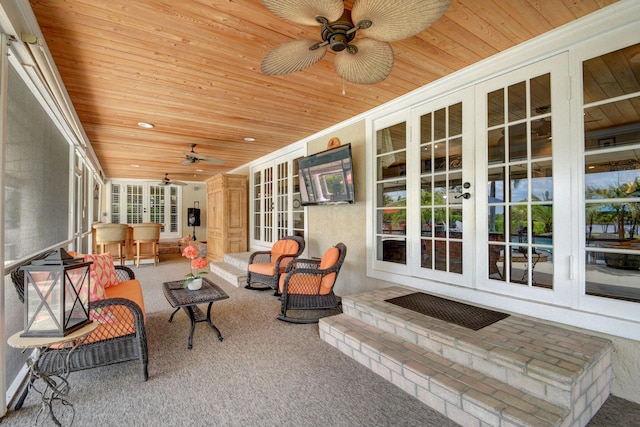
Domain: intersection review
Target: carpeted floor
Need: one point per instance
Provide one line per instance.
(265, 372)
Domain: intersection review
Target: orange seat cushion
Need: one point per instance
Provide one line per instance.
(264, 268)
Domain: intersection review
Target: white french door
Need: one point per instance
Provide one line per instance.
(135, 203)
(275, 201)
(524, 222)
(442, 224)
(424, 191)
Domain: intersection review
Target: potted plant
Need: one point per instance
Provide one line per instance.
(198, 268)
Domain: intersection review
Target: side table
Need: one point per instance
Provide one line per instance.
(55, 384)
(183, 298)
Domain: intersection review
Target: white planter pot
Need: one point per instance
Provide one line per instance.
(195, 284)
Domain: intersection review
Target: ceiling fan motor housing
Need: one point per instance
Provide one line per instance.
(336, 33)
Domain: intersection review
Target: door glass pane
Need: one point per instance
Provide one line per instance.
(527, 247)
(518, 142)
(115, 204)
(174, 206)
(157, 205)
(267, 204)
(495, 108)
(517, 103)
(392, 165)
(495, 146)
(134, 204)
(298, 209)
(257, 205)
(391, 194)
(282, 200)
(441, 216)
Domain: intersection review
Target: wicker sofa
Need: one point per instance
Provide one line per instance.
(122, 338)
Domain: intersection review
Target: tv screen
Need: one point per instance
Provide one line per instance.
(327, 177)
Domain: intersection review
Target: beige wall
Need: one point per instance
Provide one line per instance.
(330, 224)
(195, 193)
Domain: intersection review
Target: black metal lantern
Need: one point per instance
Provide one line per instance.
(56, 295)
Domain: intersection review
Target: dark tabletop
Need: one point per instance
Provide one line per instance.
(179, 296)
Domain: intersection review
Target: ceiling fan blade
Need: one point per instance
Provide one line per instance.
(396, 20)
(291, 57)
(187, 162)
(305, 11)
(180, 183)
(212, 161)
(370, 65)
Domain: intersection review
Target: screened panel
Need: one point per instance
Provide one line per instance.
(37, 165)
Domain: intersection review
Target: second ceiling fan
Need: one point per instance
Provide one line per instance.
(191, 158)
(367, 61)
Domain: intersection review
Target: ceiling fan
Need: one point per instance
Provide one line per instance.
(365, 61)
(167, 181)
(191, 158)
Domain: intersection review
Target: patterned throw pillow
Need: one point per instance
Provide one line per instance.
(97, 293)
(104, 269)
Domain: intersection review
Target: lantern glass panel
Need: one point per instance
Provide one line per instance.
(56, 299)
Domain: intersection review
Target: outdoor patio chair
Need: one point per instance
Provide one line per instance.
(265, 267)
(308, 285)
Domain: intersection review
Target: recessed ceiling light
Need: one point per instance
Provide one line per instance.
(135, 166)
(249, 139)
(198, 170)
(145, 125)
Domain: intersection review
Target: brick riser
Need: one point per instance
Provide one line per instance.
(233, 269)
(514, 373)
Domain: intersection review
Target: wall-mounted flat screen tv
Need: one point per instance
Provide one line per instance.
(327, 177)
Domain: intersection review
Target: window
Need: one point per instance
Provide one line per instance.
(611, 93)
(391, 193)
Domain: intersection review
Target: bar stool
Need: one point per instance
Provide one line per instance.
(146, 233)
(111, 234)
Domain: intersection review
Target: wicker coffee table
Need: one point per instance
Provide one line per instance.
(188, 300)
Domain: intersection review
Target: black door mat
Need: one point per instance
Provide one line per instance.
(461, 314)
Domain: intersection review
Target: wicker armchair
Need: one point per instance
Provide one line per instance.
(308, 284)
(265, 267)
(111, 342)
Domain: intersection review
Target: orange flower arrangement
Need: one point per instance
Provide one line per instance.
(200, 264)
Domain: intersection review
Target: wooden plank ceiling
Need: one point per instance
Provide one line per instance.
(192, 68)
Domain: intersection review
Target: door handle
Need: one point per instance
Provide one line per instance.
(463, 195)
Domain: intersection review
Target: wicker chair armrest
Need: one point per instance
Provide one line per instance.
(303, 263)
(124, 273)
(260, 255)
(117, 304)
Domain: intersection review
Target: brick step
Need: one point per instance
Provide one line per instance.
(466, 396)
(563, 367)
(239, 260)
(230, 273)
(462, 394)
